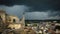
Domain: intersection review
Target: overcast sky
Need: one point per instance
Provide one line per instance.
(34, 9)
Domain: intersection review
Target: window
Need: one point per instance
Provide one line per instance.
(14, 20)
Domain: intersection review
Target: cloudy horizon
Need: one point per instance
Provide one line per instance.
(34, 9)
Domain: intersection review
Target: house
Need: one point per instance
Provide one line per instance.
(10, 21)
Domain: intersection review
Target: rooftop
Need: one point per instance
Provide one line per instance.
(2, 11)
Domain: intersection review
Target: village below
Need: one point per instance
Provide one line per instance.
(11, 24)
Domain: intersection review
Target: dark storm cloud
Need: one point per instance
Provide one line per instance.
(49, 8)
(54, 13)
(36, 15)
(14, 10)
(41, 15)
(37, 5)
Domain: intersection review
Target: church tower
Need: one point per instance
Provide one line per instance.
(22, 21)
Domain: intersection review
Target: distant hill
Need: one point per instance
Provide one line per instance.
(38, 21)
